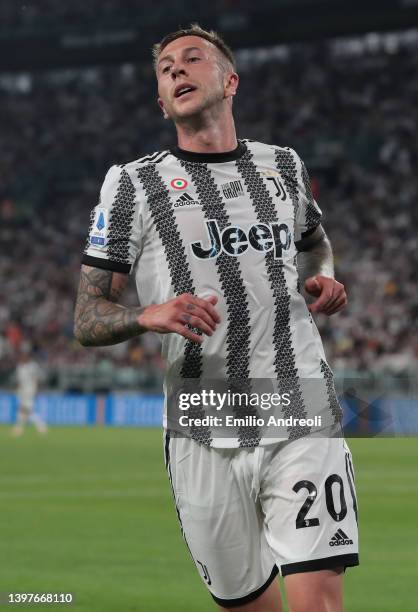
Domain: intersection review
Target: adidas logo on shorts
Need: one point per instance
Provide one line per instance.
(185, 200)
(340, 539)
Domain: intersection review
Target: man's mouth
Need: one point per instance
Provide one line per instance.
(182, 90)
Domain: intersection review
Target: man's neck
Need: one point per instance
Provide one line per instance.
(217, 137)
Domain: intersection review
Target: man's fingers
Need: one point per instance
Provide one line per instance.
(213, 299)
(333, 307)
(198, 323)
(331, 294)
(190, 300)
(340, 296)
(322, 302)
(197, 312)
(184, 331)
(338, 305)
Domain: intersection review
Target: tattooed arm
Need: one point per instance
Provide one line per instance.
(315, 255)
(100, 321)
(316, 269)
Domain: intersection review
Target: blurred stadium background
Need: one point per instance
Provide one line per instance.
(338, 82)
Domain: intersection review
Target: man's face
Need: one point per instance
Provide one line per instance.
(190, 78)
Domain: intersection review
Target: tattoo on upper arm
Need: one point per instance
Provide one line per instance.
(95, 282)
(99, 320)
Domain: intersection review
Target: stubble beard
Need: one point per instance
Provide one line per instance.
(197, 115)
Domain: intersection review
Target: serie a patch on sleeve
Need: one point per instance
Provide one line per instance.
(98, 234)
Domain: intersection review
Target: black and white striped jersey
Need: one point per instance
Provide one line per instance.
(224, 224)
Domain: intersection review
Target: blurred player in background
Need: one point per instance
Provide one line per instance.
(28, 376)
(220, 233)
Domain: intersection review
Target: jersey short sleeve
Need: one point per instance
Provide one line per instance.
(308, 214)
(115, 233)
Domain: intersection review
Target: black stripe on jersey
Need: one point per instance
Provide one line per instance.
(181, 278)
(154, 158)
(238, 328)
(313, 217)
(332, 395)
(284, 360)
(121, 221)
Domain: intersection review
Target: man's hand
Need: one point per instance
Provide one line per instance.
(330, 293)
(178, 314)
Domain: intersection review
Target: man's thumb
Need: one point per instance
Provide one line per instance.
(213, 299)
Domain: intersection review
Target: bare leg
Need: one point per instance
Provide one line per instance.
(269, 601)
(320, 591)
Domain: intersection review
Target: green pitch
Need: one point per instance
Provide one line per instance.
(89, 511)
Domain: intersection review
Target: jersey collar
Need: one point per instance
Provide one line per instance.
(210, 158)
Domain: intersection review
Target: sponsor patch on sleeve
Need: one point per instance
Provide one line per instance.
(99, 231)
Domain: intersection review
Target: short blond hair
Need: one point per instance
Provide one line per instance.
(194, 30)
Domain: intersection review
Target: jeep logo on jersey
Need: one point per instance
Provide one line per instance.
(234, 241)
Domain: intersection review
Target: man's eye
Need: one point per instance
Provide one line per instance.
(165, 69)
(193, 59)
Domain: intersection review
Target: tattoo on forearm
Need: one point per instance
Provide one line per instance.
(99, 321)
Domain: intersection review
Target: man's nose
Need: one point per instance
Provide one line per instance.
(177, 70)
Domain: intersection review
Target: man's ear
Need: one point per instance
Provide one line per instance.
(161, 105)
(231, 84)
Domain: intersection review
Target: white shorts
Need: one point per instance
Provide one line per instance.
(248, 514)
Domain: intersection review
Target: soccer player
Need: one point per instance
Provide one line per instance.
(28, 375)
(220, 234)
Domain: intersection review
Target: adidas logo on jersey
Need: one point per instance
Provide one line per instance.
(185, 200)
(340, 539)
